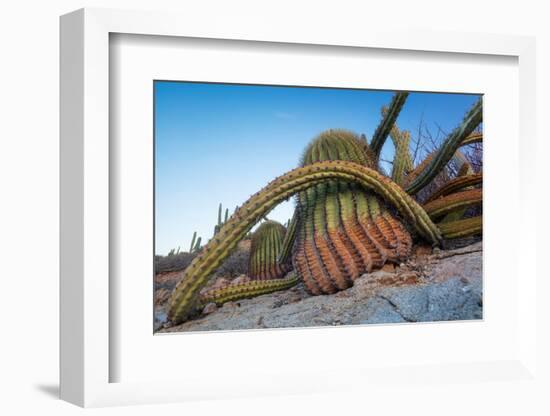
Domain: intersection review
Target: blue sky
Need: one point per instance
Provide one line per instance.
(222, 142)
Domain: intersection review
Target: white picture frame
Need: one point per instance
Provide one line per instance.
(86, 356)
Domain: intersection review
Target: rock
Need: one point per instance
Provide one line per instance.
(241, 279)
(422, 250)
(443, 286)
(209, 308)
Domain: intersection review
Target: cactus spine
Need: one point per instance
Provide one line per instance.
(265, 249)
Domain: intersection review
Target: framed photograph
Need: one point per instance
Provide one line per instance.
(280, 212)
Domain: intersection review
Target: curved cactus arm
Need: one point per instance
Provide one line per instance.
(473, 138)
(290, 238)
(247, 290)
(462, 228)
(455, 185)
(184, 298)
(453, 202)
(442, 156)
(388, 120)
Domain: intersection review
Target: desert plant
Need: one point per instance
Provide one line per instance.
(245, 290)
(265, 249)
(192, 246)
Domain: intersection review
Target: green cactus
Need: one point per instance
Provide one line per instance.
(265, 249)
(387, 123)
(192, 246)
(290, 237)
(402, 161)
(456, 184)
(461, 228)
(453, 202)
(246, 290)
(447, 150)
(197, 245)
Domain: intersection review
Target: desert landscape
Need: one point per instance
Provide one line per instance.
(370, 241)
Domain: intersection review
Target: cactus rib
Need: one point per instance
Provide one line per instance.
(472, 119)
(183, 300)
(385, 126)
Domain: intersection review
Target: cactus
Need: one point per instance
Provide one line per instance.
(402, 161)
(197, 245)
(265, 249)
(184, 300)
(473, 138)
(452, 202)
(440, 158)
(387, 123)
(290, 237)
(192, 246)
(456, 184)
(245, 290)
(461, 228)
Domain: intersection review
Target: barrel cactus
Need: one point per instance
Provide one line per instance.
(344, 231)
(265, 249)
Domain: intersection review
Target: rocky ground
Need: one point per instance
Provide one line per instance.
(432, 286)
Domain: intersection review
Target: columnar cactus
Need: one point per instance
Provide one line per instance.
(387, 123)
(245, 290)
(440, 158)
(461, 228)
(265, 250)
(452, 202)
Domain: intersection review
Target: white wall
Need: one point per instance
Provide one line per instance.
(29, 178)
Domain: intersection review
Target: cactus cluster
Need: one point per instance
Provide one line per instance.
(349, 217)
